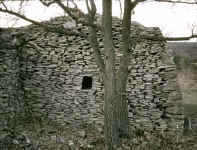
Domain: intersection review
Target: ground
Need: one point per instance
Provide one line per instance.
(48, 136)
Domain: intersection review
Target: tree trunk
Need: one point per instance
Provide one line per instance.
(110, 120)
(115, 114)
(116, 108)
(121, 107)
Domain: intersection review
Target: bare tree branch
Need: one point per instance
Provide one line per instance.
(54, 29)
(95, 46)
(77, 15)
(47, 3)
(178, 1)
(91, 10)
(88, 7)
(134, 3)
(160, 38)
(22, 17)
(180, 38)
(4, 5)
(93, 35)
(93, 7)
(73, 3)
(125, 40)
(120, 4)
(74, 13)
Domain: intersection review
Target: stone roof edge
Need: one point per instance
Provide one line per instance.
(62, 19)
(137, 30)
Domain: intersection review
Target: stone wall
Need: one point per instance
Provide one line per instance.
(11, 95)
(61, 82)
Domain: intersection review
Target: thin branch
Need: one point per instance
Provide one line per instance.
(120, 5)
(74, 4)
(134, 3)
(4, 5)
(177, 1)
(93, 35)
(74, 13)
(47, 3)
(88, 7)
(91, 10)
(22, 17)
(180, 38)
(160, 38)
(21, 6)
(77, 15)
(54, 29)
(96, 52)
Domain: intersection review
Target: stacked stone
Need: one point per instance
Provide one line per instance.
(9, 95)
(55, 66)
(149, 87)
(153, 93)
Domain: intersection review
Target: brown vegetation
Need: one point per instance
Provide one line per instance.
(45, 136)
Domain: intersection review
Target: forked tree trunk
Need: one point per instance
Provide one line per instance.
(116, 108)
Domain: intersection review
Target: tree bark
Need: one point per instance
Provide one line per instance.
(110, 120)
(122, 75)
(116, 107)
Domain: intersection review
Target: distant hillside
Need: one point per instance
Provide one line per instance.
(185, 49)
(185, 57)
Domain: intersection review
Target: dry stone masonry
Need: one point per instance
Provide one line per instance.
(55, 76)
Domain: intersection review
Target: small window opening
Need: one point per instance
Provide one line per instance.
(87, 83)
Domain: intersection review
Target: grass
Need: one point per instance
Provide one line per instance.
(36, 136)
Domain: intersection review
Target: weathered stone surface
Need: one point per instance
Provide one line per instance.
(52, 68)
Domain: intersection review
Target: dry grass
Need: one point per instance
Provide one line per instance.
(87, 137)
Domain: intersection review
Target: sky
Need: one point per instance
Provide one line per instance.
(173, 20)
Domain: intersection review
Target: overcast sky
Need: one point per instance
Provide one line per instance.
(174, 20)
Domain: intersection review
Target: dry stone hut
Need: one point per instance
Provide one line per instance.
(55, 76)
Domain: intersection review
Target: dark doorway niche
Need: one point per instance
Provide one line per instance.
(86, 83)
